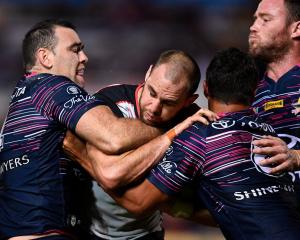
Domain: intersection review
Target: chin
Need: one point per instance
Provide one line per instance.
(80, 82)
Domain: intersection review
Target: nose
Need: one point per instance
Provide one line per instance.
(156, 107)
(83, 57)
(254, 26)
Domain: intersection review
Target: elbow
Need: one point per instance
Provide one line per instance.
(115, 146)
(139, 209)
(108, 179)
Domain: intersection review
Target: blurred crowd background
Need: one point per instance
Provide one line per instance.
(122, 38)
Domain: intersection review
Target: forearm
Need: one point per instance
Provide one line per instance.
(76, 150)
(116, 171)
(112, 135)
(140, 199)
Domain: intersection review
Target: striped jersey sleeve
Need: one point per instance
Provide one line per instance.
(58, 98)
(182, 163)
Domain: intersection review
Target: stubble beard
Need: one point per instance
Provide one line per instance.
(274, 51)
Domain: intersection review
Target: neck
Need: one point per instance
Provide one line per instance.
(221, 107)
(279, 67)
(38, 69)
(138, 95)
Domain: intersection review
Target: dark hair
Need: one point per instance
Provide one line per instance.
(232, 77)
(41, 35)
(181, 64)
(293, 8)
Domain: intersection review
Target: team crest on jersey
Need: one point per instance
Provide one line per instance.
(73, 90)
(256, 158)
(127, 109)
(166, 165)
(296, 105)
(273, 104)
(223, 124)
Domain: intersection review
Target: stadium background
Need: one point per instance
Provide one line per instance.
(122, 38)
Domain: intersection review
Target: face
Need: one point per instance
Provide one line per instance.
(161, 99)
(69, 58)
(269, 34)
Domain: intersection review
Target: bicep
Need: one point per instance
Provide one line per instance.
(94, 127)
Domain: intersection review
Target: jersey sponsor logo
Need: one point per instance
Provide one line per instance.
(165, 165)
(273, 104)
(256, 158)
(223, 124)
(296, 105)
(73, 90)
(127, 109)
(262, 191)
(18, 92)
(261, 126)
(13, 163)
(77, 99)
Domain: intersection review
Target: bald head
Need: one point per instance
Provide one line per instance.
(180, 67)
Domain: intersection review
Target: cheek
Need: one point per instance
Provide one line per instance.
(168, 113)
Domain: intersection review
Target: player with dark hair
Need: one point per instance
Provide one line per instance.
(37, 197)
(245, 199)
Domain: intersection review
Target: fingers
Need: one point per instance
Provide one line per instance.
(283, 167)
(280, 157)
(269, 141)
(211, 116)
(274, 160)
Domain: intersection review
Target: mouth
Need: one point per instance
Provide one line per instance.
(151, 118)
(80, 72)
(252, 37)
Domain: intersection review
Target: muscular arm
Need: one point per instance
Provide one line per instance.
(141, 199)
(112, 135)
(114, 171)
(281, 157)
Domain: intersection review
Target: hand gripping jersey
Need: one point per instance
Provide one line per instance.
(246, 201)
(36, 181)
(111, 221)
(278, 103)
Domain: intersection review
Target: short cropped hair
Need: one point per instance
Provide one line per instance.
(41, 35)
(181, 65)
(293, 9)
(232, 77)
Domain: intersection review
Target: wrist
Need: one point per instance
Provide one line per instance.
(171, 134)
(295, 154)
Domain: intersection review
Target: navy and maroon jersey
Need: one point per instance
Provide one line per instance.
(278, 103)
(36, 179)
(246, 201)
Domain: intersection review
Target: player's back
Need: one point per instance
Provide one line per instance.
(246, 200)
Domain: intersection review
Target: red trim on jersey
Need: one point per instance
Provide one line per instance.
(137, 98)
(30, 74)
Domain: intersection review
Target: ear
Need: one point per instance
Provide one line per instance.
(205, 89)
(148, 73)
(295, 30)
(190, 100)
(44, 57)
